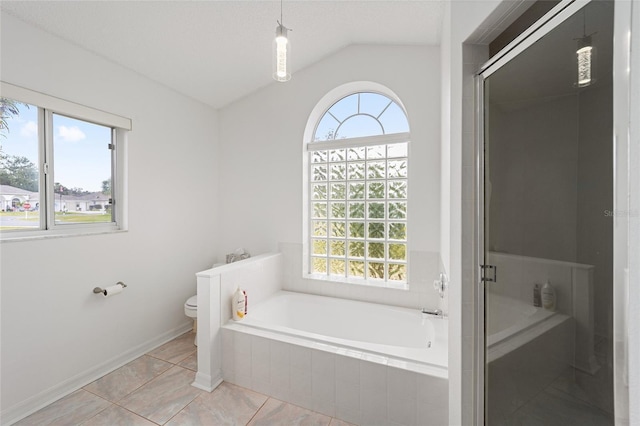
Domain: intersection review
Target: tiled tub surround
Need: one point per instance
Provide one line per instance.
(342, 358)
(260, 276)
(362, 386)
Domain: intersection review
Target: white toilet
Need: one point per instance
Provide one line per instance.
(191, 310)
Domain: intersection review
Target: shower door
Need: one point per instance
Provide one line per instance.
(548, 228)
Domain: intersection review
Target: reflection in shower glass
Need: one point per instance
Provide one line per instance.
(548, 184)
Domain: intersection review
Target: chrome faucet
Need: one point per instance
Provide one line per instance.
(434, 312)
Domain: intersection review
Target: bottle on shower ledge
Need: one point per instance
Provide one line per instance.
(537, 298)
(548, 297)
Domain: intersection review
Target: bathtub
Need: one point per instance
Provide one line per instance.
(361, 362)
(511, 323)
(527, 348)
(366, 327)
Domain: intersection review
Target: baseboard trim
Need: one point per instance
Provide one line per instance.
(206, 382)
(54, 393)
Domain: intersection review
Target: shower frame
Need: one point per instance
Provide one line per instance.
(621, 143)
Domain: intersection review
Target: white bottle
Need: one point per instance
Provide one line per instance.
(238, 305)
(548, 297)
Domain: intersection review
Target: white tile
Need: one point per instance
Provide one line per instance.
(402, 411)
(373, 405)
(323, 407)
(261, 386)
(261, 364)
(344, 414)
(229, 376)
(323, 363)
(242, 378)
(242, 353)
(324, 387)
(228, 356)
(323, 394)
(300, 358)
(347, 396)
(402, 384)
(260, 346)
(300, 389)
(348, 369)
(280, 353)
(373, 376)
(280, 369)
(432, 415)
(432, 390)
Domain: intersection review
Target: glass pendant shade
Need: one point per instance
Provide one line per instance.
(281, 55)
(585, 57)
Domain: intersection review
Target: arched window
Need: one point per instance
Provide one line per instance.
(358, 190)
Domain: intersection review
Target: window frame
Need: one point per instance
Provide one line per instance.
(311, 145)
(48, 106)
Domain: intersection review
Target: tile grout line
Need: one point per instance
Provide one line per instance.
(182, 409)
(154, 378)
(129, 393)
(95, 415)
(259, 408)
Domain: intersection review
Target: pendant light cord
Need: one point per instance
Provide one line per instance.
(281, 21)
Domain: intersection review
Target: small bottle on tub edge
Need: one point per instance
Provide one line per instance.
(548, 297)
(238, 305)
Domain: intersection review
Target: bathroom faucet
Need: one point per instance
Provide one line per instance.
(434, 312)
(441, 284)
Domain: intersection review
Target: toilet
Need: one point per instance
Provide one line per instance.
(191, 310)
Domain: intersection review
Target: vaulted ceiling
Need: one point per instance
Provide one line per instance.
(220, 51)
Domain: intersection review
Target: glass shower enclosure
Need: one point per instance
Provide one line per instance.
(548, 226)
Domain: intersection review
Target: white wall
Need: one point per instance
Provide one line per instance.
(56, 333)
(261, 177)
(464, 22)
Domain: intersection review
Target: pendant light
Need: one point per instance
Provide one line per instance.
(281, 52)
(585, 57)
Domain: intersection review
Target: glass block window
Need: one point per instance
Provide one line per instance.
(358, 194)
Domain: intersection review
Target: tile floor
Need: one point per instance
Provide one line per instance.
(575, 398)
(155, 389)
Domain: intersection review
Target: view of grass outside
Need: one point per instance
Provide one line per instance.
(81, 176)
(27, 220)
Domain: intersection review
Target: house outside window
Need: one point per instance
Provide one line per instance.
(357, 175)
(59, 166)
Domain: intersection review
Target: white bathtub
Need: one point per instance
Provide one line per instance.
(397, 333)
(361, 362)
(511, 323)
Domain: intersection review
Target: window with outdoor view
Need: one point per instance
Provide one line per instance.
(358, 190)
(57, 165)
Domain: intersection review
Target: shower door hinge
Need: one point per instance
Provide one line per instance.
(489, 273)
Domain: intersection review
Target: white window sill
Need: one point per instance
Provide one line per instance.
(400, 285)
(24, 236)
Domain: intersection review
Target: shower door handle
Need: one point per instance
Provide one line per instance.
(485, 270)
